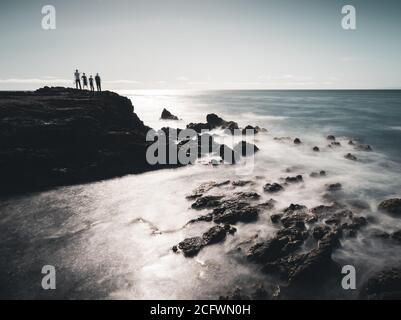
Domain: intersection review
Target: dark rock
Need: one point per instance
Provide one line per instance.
(377, 233)
(241, 183)
(297, 141)
(272, 188)
(232, 216)
(335, 144)
(363, 147)
(245, 149)
(396, 235)
(350, 156)
(214, 235)
(191, 246)
(254, 130)
(334, 187)
(246, 195)
(275, 218)
(60, 136)
(174, 248)
(391, 206)
(385, 284)
(199, 127)
(319, 232)
(214, 121)
(167, 115)
(316, 149)
(315, 174)
(207, 202)
(296, 179)
(331, 138)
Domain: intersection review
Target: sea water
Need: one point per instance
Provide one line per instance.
(112, 239)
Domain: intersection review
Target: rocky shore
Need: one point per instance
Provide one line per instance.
(59, 136)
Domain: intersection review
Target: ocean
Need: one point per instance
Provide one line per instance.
(112, 239)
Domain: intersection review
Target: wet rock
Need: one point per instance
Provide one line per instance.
(255, 130)
(267, 251)
(391, 206)
(246, 195)
(207, 202)
(174, 248)
(297, 141)
(363, 147)
(275, 218)
(272, 188)
(316, 149)
(245, 149)
(205, 187)
(167, 115)
(232, 216)
(296, 179)
(241, 183)
(335, 144)
(198, 127)
(315, 174)
(324, 211)
(385, 284)
(351, 157)
(319, 232)
(267, 205)
(214, 121)
(331, 138)
(334, 187)
(191, 246)
(282, 139)
(214, 235)
(377, 233)
(396, 236)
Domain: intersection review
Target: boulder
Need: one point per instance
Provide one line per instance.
(272, 188)
(350, 156)
(391, 206)
(385, 284)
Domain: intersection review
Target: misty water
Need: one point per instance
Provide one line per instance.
(112, 239)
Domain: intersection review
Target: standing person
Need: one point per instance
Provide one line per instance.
(98, 82)
(77, 79)
(91, 83)
(85, 81)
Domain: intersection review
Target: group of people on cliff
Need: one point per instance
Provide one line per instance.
(85, 81)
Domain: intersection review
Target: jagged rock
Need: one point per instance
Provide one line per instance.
(246, 195)
(385, 284)
(272, 188)
(391, 206)
(214, 121)
(204, 187)
(253, 130)
(319, 232)
(232, 216)
(241, 183)
(191, 246)
(245, 149)
(214, 235)
(296, 179)
(350, 156)
(207, 202)
(275, 218)
(167, 115)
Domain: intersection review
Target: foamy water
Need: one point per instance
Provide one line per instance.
(113, 239)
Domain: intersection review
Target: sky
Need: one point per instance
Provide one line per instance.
(202, 44)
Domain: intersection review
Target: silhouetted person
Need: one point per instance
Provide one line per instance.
(98, 82)
(77, 79)
(91, 84)
(84, 81)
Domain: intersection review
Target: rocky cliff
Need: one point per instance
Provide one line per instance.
(58, 136)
